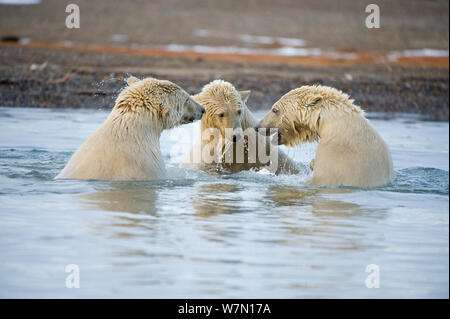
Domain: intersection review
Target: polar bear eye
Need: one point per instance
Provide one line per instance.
(221, 114)
(275, 111)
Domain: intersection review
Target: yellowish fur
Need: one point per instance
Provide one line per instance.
(350, 151)
(222, 97)
(126, 145)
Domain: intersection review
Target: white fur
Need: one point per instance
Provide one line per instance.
(126, 146)
(221, 96)
(350, 151)
(114, 152)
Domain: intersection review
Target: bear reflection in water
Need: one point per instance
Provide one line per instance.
(300, 215)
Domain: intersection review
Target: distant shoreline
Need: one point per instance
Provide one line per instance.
(56, 76)
(334, 58)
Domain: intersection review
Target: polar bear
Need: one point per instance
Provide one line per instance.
(228, 116)
(350, 151)
(126, 145)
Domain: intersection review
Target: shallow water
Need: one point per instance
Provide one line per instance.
(194, 235)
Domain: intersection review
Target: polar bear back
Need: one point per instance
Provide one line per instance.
(104, 156)
(355, 156)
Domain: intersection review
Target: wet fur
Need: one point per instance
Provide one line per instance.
(126, 145)
(350, 151)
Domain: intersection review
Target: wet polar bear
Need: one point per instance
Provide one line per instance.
(350, 151)
(227, 129)
(126, 145)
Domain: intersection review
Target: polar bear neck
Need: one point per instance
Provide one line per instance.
(342, 127)
(136, 132)
(248, 120)
(133, 124)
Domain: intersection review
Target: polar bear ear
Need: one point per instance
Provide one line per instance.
(132, 80)
(314, 101)
(244, 95)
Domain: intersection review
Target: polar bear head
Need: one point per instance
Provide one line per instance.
(299, 114)
(163, 102)
(224, 107)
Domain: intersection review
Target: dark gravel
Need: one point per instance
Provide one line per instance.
(92, 80)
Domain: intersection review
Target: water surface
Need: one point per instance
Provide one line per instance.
(247, 235)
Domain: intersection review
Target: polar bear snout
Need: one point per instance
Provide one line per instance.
(265, 124)
(193, 111)
(274, 134)
(232, 134)
(202, 111)
(261, 130)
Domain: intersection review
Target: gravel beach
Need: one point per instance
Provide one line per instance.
(44, 64)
